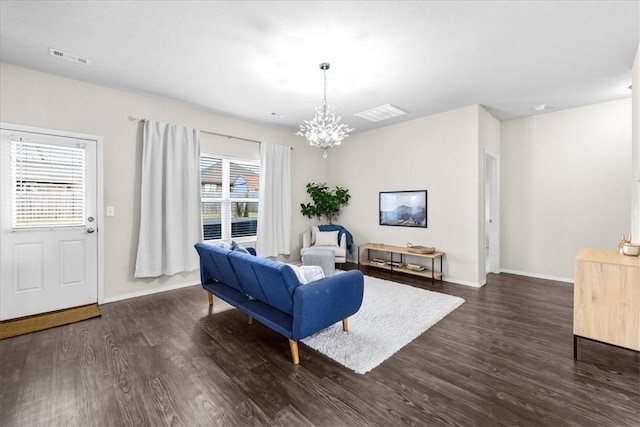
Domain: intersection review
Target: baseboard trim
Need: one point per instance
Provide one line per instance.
(538, 276)
(148, 292)
(463, 282)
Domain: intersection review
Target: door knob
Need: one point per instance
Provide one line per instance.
(90, 230)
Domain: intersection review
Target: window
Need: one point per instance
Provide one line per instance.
(230, 191)
(47, 185)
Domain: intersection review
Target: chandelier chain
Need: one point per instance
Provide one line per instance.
(324, 105)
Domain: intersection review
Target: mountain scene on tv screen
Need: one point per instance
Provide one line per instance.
(415, 216)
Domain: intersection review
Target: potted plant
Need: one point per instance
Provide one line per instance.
(326, 203)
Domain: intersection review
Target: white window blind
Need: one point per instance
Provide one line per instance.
(47, 185)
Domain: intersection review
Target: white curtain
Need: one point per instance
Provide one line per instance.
(170, 212)
(274, 210)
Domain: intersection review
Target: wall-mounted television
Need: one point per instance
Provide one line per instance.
(403, 208)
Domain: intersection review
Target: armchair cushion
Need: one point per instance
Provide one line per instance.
(309, 238)
(326, 238)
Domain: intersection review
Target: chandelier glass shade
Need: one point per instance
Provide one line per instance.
(324, 130)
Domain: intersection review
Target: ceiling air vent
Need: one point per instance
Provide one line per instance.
(383, 112)
(69, 56)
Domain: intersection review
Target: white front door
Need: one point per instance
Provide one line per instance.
(49, 223)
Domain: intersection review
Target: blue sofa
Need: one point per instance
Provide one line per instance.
(270, 292)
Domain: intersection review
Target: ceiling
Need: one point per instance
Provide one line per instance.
(259, 60)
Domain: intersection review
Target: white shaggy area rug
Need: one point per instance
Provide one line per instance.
(392, 315)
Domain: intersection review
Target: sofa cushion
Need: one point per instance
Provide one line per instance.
(215, 266)
(271, 282)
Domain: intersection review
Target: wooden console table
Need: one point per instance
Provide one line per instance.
(433, 274)
(606, 299)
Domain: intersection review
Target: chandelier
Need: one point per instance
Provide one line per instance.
(324, 130)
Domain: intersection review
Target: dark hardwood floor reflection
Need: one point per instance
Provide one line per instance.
(503, 358)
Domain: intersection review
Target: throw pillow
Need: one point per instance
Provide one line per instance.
(235, 246)
(224, 245)
(327, 238)
(307, 273)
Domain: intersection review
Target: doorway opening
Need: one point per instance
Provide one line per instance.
(491, 214)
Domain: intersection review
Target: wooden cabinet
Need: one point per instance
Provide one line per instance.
(402, 252)
(606, 298)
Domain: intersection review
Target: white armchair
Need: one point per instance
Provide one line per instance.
(317, 239)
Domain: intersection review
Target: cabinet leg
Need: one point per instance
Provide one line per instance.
(575, 347)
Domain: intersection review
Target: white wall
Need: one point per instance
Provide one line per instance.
(43, 100)
(438, 153)
(635, 180)
(565, 185)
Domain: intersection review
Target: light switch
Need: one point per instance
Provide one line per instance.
(111, 211)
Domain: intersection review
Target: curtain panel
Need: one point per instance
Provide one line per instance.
(274, 213)
(170, 201)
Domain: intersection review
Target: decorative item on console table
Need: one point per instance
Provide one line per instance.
(624, 240)
(417, 249)
(400, 265)
(630, 249)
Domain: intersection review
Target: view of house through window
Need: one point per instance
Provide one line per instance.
(230, 191)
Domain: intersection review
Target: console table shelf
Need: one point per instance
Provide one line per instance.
(391, 250)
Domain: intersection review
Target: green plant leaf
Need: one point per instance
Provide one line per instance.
(326, 202)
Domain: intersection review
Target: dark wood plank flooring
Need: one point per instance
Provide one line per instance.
(502, 358)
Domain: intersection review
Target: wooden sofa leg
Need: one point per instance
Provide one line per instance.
(250, 320)
(345, 325)
(294, 352)
(210, 298)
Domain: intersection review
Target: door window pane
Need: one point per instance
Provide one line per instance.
(47, 185)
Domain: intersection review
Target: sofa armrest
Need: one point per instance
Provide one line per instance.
(306, 239)
(343, 241)
(319, 304)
